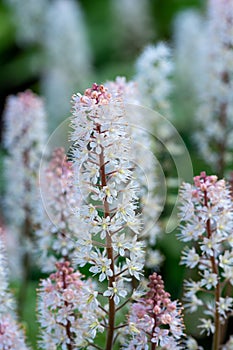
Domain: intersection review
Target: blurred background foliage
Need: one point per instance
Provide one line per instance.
(22, 65)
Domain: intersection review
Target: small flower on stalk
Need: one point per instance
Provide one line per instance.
(116, 291)
(101, 265)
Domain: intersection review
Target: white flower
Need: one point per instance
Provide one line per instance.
(94, 328)
(192, 344)
(116, 291)
(134, 268)
(101, 265)
(210, 246)
(193, 302)
(225, 306)
(209, 280)
(206, 326)
(226, 259)
(190, 258)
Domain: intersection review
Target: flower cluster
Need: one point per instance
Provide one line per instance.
(214, 93)
(28, 19)
(67, 310)
(155, 319)
(11, 335)
(103, 175)
(57, 224)
(24, 145)
(153, 72)
(189, 43)
(68, 57)
(142, 160)
(207, 221)
(7, 302)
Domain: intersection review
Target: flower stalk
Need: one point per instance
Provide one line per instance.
(110, 254)
(207, 222)
(103, 172)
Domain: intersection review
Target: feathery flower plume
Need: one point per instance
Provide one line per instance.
(66, 310)
(207, 222)
(154, 68)
(143, 158)
(189, 42)
(24, 140)
(29, 19)
(57, 224)
(103, 175)
(155, 321)
(11, 335)
(7, 304)
(215, 91)
(68, 58)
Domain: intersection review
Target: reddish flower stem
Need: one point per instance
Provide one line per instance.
(112, 311)
(217, 335)
(68, 326)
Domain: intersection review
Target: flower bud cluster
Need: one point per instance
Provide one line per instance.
(207, 223)
(66, 310)
(57, 224)
(155, 319)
